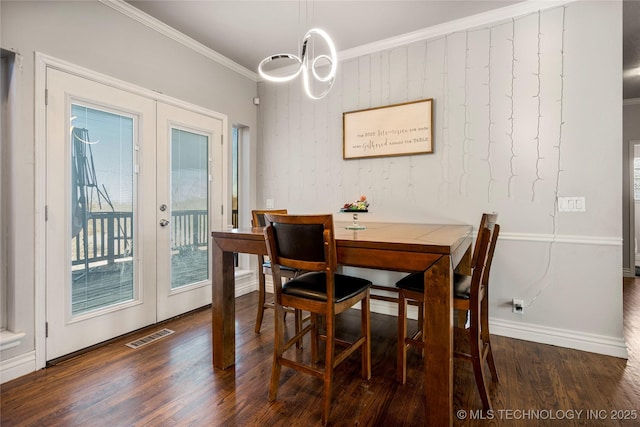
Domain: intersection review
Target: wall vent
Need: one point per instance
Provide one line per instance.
(150, 338)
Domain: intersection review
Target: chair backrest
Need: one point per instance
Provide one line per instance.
(489, 261)
(487, 237)
(488, 219)
(257, 216)
(303, 242)
(482, 246)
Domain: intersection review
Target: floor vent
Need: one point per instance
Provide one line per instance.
(150, 338)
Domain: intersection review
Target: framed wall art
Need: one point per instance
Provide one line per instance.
(394, 130)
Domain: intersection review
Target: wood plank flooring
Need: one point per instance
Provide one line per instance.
(172, 382)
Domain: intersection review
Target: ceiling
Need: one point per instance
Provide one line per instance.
(248, 31)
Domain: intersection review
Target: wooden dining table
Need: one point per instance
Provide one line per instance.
(438, 249)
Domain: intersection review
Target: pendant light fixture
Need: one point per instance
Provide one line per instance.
(307, 64)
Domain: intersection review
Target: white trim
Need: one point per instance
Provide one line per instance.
(164, 29)
(86, 73)
(245, 282)
(577, 340)
(18, 366)
(562, 238)
(42, 61)
(600, 344)
(479, 20)
(492, 17)
(39, 132)
(10, 339)
(631, 256)
(482, 19)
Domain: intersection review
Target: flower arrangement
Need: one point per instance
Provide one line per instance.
(358, 206)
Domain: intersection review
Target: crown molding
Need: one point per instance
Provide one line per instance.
(482, 19)
(162, 28)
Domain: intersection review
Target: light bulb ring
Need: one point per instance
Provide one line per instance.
(279, 79)
(314, 67)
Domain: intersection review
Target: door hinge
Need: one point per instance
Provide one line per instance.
(46, 212)
(221, 209)
(46, 329)
(46, 97)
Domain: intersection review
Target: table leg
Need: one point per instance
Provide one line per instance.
(438, 341)
(223, 310)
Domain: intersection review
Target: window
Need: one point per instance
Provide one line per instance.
(234, 177)
(636, 178)
(8, 61)
(10, 73)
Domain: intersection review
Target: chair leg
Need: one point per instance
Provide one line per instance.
(328, 368)
(298, 326)
(492, 364)
(401, 367)
(261, 297)
(278, 348)
(314, 338)
(486, 339)
(420, 322)
(478, 372)
(476, 350)
(462, 318)
(366, 333)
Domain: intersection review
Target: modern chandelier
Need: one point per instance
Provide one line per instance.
(307, 64)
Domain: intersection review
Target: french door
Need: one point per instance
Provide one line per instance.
(189, 149)
(130, 187)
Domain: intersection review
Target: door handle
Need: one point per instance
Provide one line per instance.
(164, 222)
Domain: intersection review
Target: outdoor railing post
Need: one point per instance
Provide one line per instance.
(111, 242)
(196, 223)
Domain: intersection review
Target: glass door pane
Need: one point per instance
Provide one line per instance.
(102, 220)
(189, 208)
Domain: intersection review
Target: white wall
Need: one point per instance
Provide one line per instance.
(524, 111)
(95, 36)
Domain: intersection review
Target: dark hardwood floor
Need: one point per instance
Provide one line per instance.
(172, 382)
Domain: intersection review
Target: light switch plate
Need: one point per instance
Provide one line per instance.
(572, 204)
(269, 204)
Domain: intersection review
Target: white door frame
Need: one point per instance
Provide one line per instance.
(42, 61)
(632, 208)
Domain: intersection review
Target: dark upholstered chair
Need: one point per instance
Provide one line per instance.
(257, 220)
(471, 294)
(307, 243)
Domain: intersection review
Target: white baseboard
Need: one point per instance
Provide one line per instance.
(593, 343)
(600, 344)
(391, 309)
(627, 272)
(245, 282)
(18, 366)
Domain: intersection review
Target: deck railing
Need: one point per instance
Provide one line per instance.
(108, 235)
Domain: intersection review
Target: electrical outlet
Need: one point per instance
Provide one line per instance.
(269, 204)
(518, 306)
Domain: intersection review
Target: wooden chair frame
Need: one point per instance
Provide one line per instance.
(477, 306)
(325, 309)
(257, 220)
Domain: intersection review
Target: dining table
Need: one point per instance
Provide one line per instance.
(437, 249)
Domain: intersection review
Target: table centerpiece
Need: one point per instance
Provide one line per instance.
(359, 206)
